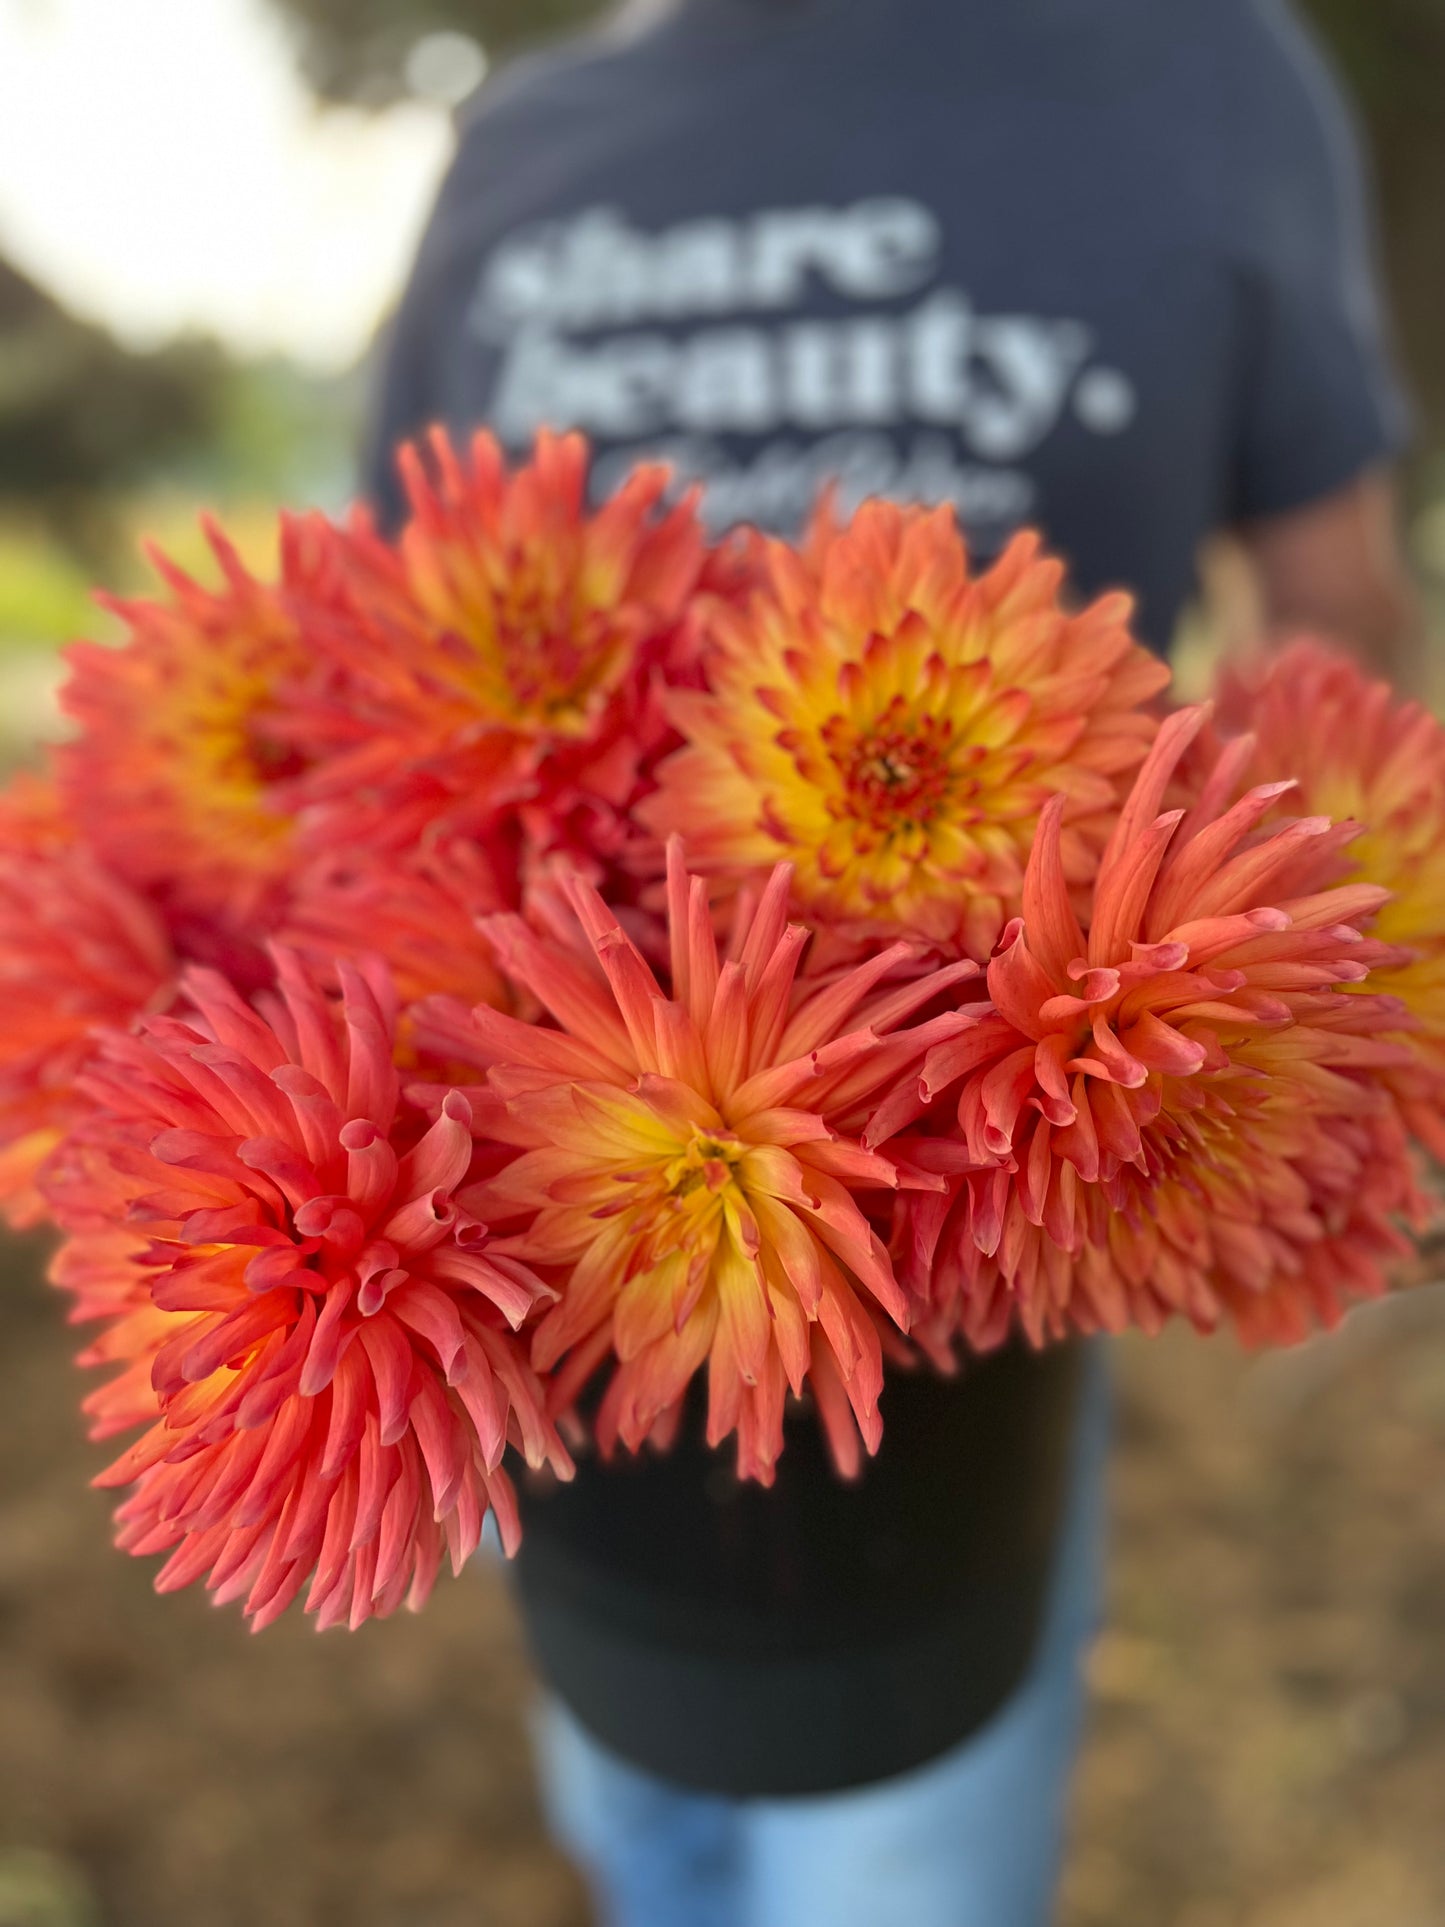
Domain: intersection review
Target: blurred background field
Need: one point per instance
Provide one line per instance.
(1268, 1738)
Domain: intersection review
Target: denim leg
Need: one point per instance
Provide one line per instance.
(654, 1855)
(976, 1838)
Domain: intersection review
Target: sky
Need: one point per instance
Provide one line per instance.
(163, 167)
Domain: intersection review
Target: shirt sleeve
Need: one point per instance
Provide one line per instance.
(1320, 400)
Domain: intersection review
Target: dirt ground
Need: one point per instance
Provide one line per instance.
(1267, 1746)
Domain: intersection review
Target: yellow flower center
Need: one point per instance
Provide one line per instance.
(549, 670)
(685, 1201)
(705, 1169)
(897, 772)
(228, 758)
(540, 651)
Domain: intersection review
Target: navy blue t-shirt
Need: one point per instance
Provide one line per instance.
(1099, 265)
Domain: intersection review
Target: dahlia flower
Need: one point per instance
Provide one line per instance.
(511, 645)
(1181, 1112)
(307, 1321)
(178, 770)
(893, 725)
(1360, 752)
(418, 909)
(78, 950)
(33, 818)
(688, 1164)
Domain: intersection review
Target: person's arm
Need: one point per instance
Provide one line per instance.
(1337, 567)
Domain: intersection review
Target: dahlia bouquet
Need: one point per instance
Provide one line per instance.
(463, 987)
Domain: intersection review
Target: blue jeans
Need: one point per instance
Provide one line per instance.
(975, 1839)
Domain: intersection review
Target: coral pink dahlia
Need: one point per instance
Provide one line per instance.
(311, 1327)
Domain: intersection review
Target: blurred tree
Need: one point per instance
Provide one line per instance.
(93, 436)
(1393, 52)
(356, 49)
(80, 414)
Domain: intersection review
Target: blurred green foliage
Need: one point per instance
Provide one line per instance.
(78, 412)
(87, 424)
(44, 589)
(101, 446)
(1394, 53)
(39, 1889)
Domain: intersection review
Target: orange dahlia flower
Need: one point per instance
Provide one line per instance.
(308, 1322)
(1179, 1112)
(418, 909)
(511, 645)
(1358, 751)
(893, 725)
(688, 1165)
(78, 950)
(178, 771)
(33, 817)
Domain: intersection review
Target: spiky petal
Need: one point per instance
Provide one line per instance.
(689, 1166)
(1181, 1111)
(309, 1324)
(1358, 751)
(892, 725)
